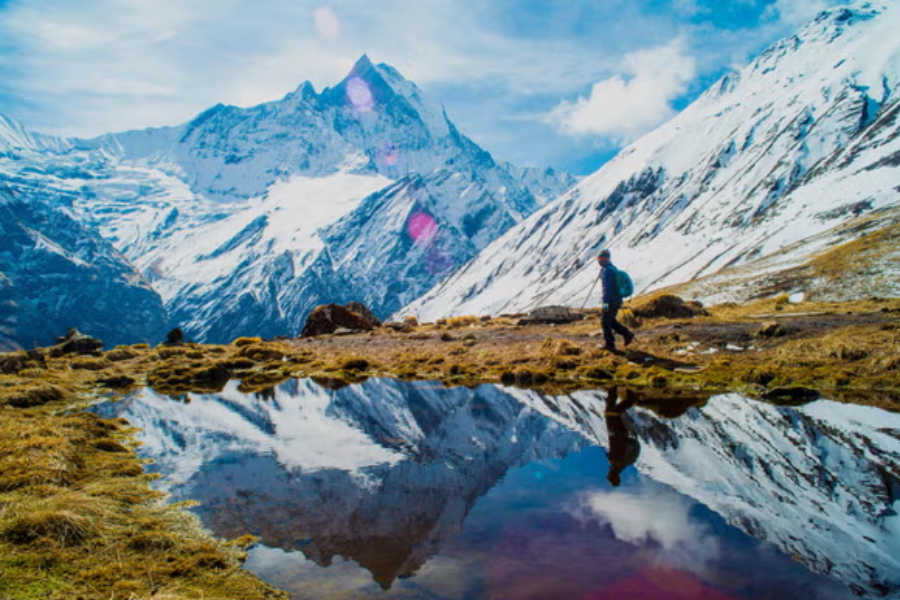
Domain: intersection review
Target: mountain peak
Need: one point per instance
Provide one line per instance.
(363, 63)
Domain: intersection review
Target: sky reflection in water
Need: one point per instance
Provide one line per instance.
(390, 489)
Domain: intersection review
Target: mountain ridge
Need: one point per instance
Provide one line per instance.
(766, 157)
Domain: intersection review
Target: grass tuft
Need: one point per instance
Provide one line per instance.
(32, 394)
(459, 322)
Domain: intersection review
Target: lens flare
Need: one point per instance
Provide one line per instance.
(389, 154)
(438, 261)
(327, 23)
(359, 95)
(422, 228)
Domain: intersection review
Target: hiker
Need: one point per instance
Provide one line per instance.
(612, 302)
(624, 447)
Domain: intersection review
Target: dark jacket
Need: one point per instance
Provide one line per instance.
(610, 286)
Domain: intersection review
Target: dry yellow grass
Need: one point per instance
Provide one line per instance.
(79, 520)
(459, 322)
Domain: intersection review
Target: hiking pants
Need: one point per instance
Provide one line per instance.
(610, 325)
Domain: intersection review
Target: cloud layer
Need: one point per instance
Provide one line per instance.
(501, 66)
(625, 107)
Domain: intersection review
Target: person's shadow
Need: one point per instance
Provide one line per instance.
(624, 446)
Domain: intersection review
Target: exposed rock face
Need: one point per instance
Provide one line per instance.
(75, 342)
(329, 318)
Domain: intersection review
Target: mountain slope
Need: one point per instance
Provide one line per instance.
(14, 138)
(83, 281)
(802, 140)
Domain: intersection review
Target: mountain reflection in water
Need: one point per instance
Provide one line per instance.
(498, 492)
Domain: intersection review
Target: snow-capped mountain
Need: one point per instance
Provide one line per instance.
(244, 219)
(82, 280)
(546, 184)
(803, 140)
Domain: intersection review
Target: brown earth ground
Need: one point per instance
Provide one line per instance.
(78, 518)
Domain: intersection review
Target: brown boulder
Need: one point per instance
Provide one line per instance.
(75, 342)
(328, 318)
(175, 338)
(667, 306)
(13, 362)
(545, 315)
(363, 311)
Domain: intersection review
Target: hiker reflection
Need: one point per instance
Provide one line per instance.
(624, 446)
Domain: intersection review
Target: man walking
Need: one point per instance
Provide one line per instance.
(612, 302)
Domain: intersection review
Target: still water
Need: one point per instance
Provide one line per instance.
(389, 489)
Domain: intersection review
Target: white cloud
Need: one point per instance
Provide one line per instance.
(688, 8)
(107, 65)
(625, 107)
(327, 23)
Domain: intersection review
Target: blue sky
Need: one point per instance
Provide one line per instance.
(562, 83)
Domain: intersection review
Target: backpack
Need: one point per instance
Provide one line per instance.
(624, 283)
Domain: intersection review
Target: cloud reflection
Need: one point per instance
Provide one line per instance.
(654, 517)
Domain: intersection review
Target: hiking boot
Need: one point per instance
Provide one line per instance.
(629, 337)
(608, 348)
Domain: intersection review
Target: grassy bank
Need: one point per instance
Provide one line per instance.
(78, 518)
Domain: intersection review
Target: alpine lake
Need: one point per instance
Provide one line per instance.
(390, 489)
